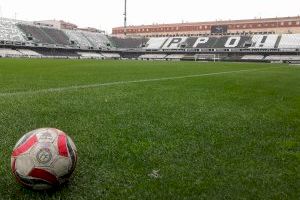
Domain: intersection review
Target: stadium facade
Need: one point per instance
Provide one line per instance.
(278, 42)
(282, 25)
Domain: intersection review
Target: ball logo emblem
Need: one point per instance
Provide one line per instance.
(46, 136)
(44, 156)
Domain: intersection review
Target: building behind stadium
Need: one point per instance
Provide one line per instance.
(282, 25)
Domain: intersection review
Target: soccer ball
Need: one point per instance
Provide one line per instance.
(43, 159)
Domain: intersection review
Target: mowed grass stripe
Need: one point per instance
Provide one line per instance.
(77, 87)
(31, 75)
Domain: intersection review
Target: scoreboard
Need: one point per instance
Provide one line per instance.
(219, 29)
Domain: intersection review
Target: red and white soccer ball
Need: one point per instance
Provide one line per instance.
(43, 159)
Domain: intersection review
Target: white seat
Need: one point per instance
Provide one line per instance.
(28, 52)
(289, 41)
(111, 55)
(264, 41)
(78, 38)
(174, 42)
(9, 31)
(175, 56)
(9, 52)
(253, 57)
(155, 43)
(90, 55)
(97, 40)
(153, 56)
(283, 57)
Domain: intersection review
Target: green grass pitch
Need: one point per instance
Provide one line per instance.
(158, 130)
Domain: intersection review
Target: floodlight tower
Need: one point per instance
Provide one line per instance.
(1, 12)
(125, 18)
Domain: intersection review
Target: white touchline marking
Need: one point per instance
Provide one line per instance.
(77, 87)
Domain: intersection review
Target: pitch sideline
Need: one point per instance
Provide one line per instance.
(78, 87)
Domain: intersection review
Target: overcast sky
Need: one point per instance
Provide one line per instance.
(106, 14)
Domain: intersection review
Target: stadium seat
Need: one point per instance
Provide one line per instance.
(253, 57)
(5, 52)
(78, 39)
(283, 58)
(205, 57)
(153, 56)
(58, 36)
(155, 43)
(9, 31)
(97, 40)
(28, 52)
(128, 43)
(111, 55)
(59, 53)
(190, 42)
(237, 41)
(36, 33)
(44, 35)
(174, 42)
(264, 41)
(175, 56)
(289, 41)
(205, 42)
(91, 55)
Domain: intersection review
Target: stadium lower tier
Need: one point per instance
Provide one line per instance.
(254, 56)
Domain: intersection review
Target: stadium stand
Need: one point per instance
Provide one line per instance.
(175, 56)
(223, 42)
(78, 39)
(289, 41)
(44, 35)
(264, 41)
(10, 53)
(206, 57)
(174, 43)
(97, 40)
(189, 43)
(238, 41)
(28, 52)
(38, 40)
(128, 43)
(90, 55)
(189, 58)
(253, 57)
(35, 34)
(283, 58)
(111, 55)
(153, 56)
(155, 43)
(9, 31)
(58, 53)
(58, 36)
(205, 42)
(231, 42)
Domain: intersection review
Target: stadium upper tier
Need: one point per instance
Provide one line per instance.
(285, 41)
(279, 25)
